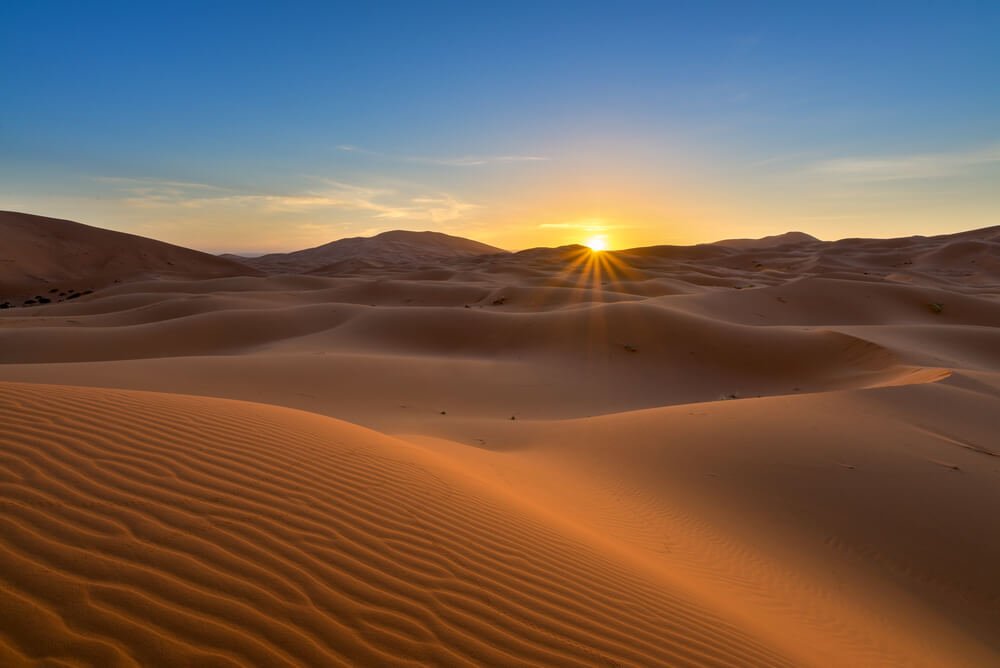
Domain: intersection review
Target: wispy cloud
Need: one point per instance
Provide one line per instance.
(442, 208)
(585, 225)
(456, 161)
(377, 202)
(778, 159)
(157, 184)
(913, 166)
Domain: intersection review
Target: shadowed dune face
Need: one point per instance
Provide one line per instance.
(47, 256)
(736, 453)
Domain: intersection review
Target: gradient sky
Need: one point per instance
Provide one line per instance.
(248, 127)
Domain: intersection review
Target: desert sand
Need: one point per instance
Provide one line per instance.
(420, 450)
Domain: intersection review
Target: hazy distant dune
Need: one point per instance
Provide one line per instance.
(395, 247)
(778, 240)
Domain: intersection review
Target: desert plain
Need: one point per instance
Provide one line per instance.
(416, 449)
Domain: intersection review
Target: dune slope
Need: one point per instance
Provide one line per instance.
(387, 248)
(46, 256)
(219, 533)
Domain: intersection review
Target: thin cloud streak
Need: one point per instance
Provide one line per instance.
(914, 166)
(148, 193)
(595, 225)
(161, 184)
(459, 161)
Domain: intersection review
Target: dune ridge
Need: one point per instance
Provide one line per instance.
(387, 248)
(45, 256)
(225, 533)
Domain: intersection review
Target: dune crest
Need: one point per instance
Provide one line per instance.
(387, 248)
(46, 256)
(224, 533)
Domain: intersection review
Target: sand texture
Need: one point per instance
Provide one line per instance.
(420, 450)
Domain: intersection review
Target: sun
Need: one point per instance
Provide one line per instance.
(596, 243)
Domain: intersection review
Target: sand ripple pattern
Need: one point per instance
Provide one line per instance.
(151, 529)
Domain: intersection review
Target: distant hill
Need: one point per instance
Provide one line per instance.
(39, 254)
(388, 248)
(786, 239)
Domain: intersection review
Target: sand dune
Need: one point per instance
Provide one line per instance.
(58, 258)
(387, 248)
(782, 453)
(774, 241)
(219, 533)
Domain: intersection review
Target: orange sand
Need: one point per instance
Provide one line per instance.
(729, 454)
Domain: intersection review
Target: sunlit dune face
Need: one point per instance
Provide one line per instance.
(596, 244)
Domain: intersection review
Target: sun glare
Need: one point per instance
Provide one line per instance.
(597, 243)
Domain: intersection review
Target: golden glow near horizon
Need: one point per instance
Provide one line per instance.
(597, 243)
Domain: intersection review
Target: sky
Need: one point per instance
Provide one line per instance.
(253, 127)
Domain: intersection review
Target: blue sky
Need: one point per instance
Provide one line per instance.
(273, 126)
